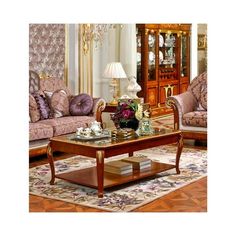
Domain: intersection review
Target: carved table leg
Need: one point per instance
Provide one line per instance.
(51, 162)
(178, 154)
(100, 172)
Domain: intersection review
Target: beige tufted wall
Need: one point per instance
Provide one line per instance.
(47, 49)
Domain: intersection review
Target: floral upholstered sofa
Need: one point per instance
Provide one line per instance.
(54, 111)
(190, 109)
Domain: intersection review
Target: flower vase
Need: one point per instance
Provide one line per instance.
(133, 124)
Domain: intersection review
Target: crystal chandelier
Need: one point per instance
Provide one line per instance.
(94, 33)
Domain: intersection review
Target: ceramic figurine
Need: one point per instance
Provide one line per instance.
(133, 87)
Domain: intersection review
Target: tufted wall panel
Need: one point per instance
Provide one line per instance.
(47, 49)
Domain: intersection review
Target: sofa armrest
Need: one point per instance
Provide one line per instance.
(181, 104)
(99, 105)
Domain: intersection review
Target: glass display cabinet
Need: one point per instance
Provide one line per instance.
(163, 61)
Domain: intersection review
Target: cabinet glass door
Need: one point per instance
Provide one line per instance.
(139, 54)
(167, 55)
(151, 56)
(183, 60)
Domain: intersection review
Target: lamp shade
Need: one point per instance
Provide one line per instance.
(114, 70)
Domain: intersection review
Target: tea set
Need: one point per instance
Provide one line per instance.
(94, 129)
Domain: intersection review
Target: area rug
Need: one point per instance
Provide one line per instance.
(193, 166)
(163, 122)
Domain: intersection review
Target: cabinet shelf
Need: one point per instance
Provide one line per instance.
(168, 65)
(163, 47)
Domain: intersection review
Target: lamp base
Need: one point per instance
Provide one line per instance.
(114, 102)
(115, 91)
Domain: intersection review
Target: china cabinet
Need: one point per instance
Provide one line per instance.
(163, 61)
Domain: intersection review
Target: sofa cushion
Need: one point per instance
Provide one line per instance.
(39, 131)
(33, 109)
(43, 106)
(196, 84)
(195, 118)
(53, 84)
(58, 102)
(203, 96)
(81, 105)
(67, 124)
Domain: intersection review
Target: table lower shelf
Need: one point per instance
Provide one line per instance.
(88, 176)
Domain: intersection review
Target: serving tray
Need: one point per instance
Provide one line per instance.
(91, 138)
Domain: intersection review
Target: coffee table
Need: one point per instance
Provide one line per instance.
(95, 177)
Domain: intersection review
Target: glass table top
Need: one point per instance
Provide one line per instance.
(107, 140)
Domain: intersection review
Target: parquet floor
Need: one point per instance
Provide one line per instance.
(191, 198)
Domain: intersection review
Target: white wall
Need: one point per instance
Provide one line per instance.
(105, 53)
(128, 51)
(119, 45)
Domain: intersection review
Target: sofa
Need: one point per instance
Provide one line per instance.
(190, 109)
(54, 111)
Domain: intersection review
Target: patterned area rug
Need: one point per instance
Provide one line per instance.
(163, 122)
(193, 166)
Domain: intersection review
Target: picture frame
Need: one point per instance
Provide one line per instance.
(202, 42)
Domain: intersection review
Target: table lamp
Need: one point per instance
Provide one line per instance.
(114, 71)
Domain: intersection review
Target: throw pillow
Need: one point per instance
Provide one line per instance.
(203, 96)
(59, 102)
(42, 105)
(81, 105)
(33, 109)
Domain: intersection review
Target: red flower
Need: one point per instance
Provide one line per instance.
(125, 112)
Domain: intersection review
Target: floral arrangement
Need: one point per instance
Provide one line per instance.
(125, 112)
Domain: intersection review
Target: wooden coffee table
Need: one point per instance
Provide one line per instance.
(95, 177)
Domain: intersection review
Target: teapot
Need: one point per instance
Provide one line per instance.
(96, 128)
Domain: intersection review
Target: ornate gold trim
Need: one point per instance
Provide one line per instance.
(99, 156)
(44, 75)
(85, 43)
(172, 104)
(175, 125)
(49, 150)
(172, 31)
(181, 140)
(171, 87)
(85, 61)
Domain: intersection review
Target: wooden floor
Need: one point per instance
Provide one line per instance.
(191, 198)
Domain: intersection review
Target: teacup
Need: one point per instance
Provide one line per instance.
(79, 130)
(86, 132)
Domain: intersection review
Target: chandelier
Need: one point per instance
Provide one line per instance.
(94, 33)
